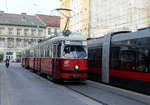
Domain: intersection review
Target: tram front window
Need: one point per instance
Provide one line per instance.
(74, 52)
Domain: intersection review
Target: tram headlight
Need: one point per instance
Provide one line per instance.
(76, 67)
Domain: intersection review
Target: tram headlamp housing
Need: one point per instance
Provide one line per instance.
(76, 67)
(84, 43)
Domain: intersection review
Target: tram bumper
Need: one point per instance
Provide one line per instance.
(82, 75)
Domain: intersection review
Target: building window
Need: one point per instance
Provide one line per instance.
(1, 30)
(1, 43)
(49, 31)
(10, 43)
(26, 31)
(40, 32)
(10, 31)
(18, 43)
(18, 31)
(25, 43)
(33, 31)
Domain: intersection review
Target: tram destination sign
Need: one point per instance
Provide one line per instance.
(75, 42)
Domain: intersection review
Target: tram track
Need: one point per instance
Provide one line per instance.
(87, 89)
(81, 89)
(91, 83)
(64, 84)
(90, 97)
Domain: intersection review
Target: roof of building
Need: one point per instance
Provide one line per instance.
(53, 21)
(20, 20)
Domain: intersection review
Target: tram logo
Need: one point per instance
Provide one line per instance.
(66, 63)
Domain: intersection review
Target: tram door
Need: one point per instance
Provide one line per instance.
(56, 60)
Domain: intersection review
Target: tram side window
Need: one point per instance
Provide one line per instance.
(114, 57)
(90, 57)
(122, 57)
(132, 55)
(35, 53)
(95, 57)
(127, 60)
(98, 57)
(143, 55)
(31, 53)
(47, 51)
(50, 51)
(59, 50)
(42, 52)
(55, 51)
(27, 53)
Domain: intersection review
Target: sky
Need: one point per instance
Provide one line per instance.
(30, 7)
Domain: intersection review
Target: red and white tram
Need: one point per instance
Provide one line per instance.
(62, 57)
(25, 58)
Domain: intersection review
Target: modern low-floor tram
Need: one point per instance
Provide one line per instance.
(121, 59)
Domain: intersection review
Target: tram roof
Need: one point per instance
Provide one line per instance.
(120, 36)
(72, 37)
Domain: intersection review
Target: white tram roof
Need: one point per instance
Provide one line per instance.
(73, 36)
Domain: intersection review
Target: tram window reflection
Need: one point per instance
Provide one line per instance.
(132, 57)
(59, 50)
(74, 52)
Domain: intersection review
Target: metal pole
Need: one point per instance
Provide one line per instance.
(66, 23)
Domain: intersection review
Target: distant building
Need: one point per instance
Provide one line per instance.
(95, 18)
(147, 8)
(119, 15)
(65, 4)
(80, 20)
(52, 24)
(19, 31)
(79, 17)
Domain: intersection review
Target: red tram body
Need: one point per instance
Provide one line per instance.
(60, 57)
(121, 59)
(25, 58)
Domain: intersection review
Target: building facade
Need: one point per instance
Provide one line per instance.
(65, 4)
(19, 31)
(119, 15)
(52, 24)
(95, 18)
(79, 17)
(147, 5)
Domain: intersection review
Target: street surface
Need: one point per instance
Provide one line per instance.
(19, 86)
